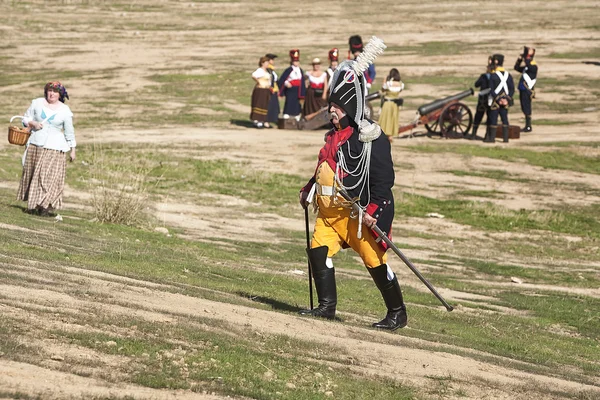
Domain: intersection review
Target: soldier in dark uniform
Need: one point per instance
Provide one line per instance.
(483, 83)
(356, 158)
(502, 89)
(273, 110)
(527, 83)
(355, 44)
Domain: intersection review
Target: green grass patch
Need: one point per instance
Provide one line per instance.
(481, 193)
(554, 122)
(555, 159)
(489, 217)
(233, 362)
(495, 174)
(593, 53)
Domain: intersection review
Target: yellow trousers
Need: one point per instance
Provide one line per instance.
(334, 227)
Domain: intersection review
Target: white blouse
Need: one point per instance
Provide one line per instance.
(57, 131)
(263, 77)
(259, 73)
(393, 86)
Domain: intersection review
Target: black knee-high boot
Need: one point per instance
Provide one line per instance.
(474, 132)
(505, 133)
(324, 283)
(490, 136)
(527, 124)
(392, 295)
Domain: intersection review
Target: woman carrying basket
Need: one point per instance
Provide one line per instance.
(52, 136)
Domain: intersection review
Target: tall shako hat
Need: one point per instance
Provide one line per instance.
(498, 59)
(348, 85)
(294, 55)
(356, 44)
(333, 54)
(526, 52)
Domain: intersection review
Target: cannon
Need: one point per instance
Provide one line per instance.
(320, 118)
(447, 117)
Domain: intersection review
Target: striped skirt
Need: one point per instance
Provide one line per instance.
(260, 104)
(43, 180)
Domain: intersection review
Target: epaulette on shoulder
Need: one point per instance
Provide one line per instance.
(368, 131)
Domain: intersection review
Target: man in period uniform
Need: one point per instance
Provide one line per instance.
(273, 110)
(355, 48)
(483, 83)
(291, 85)
(502, 89)
(333, 63)
(527, 83)
(356, 158)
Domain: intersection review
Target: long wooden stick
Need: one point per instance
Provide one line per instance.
(356, 207)
(310, 291)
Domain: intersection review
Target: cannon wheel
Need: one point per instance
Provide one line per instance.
(432, 127)
(455, 120)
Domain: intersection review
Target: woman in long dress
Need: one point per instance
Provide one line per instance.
(389, 116)
(261, 94)
(316, 90)
(45, 164)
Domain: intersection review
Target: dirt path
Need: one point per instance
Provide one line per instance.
(385, 354)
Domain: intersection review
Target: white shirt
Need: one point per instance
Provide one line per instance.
(259, 73)
(57, 132)
(393, 86)
(295, 74)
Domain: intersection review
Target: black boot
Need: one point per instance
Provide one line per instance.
(505, 133)
(527, 124)
(392, 295)
(490, 136)
(324, 283)
(474, 133)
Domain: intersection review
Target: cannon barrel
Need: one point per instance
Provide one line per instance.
(437, 104)
(372, 96)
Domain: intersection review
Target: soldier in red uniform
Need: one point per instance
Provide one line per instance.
(356, 158)
(333, 62)
(291, 85)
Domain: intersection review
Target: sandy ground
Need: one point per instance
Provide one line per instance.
(227, 32)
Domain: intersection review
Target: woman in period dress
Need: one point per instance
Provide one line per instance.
(389, 116)
(261, 94)
(45, 164)
(316, 90)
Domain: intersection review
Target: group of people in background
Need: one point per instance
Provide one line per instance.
(296, 85)
(497, 92)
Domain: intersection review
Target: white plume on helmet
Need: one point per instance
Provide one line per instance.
(348, 87)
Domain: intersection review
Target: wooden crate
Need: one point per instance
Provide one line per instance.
(514, 132)
(287, 123)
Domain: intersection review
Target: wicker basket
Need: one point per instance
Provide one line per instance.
(18, 135)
